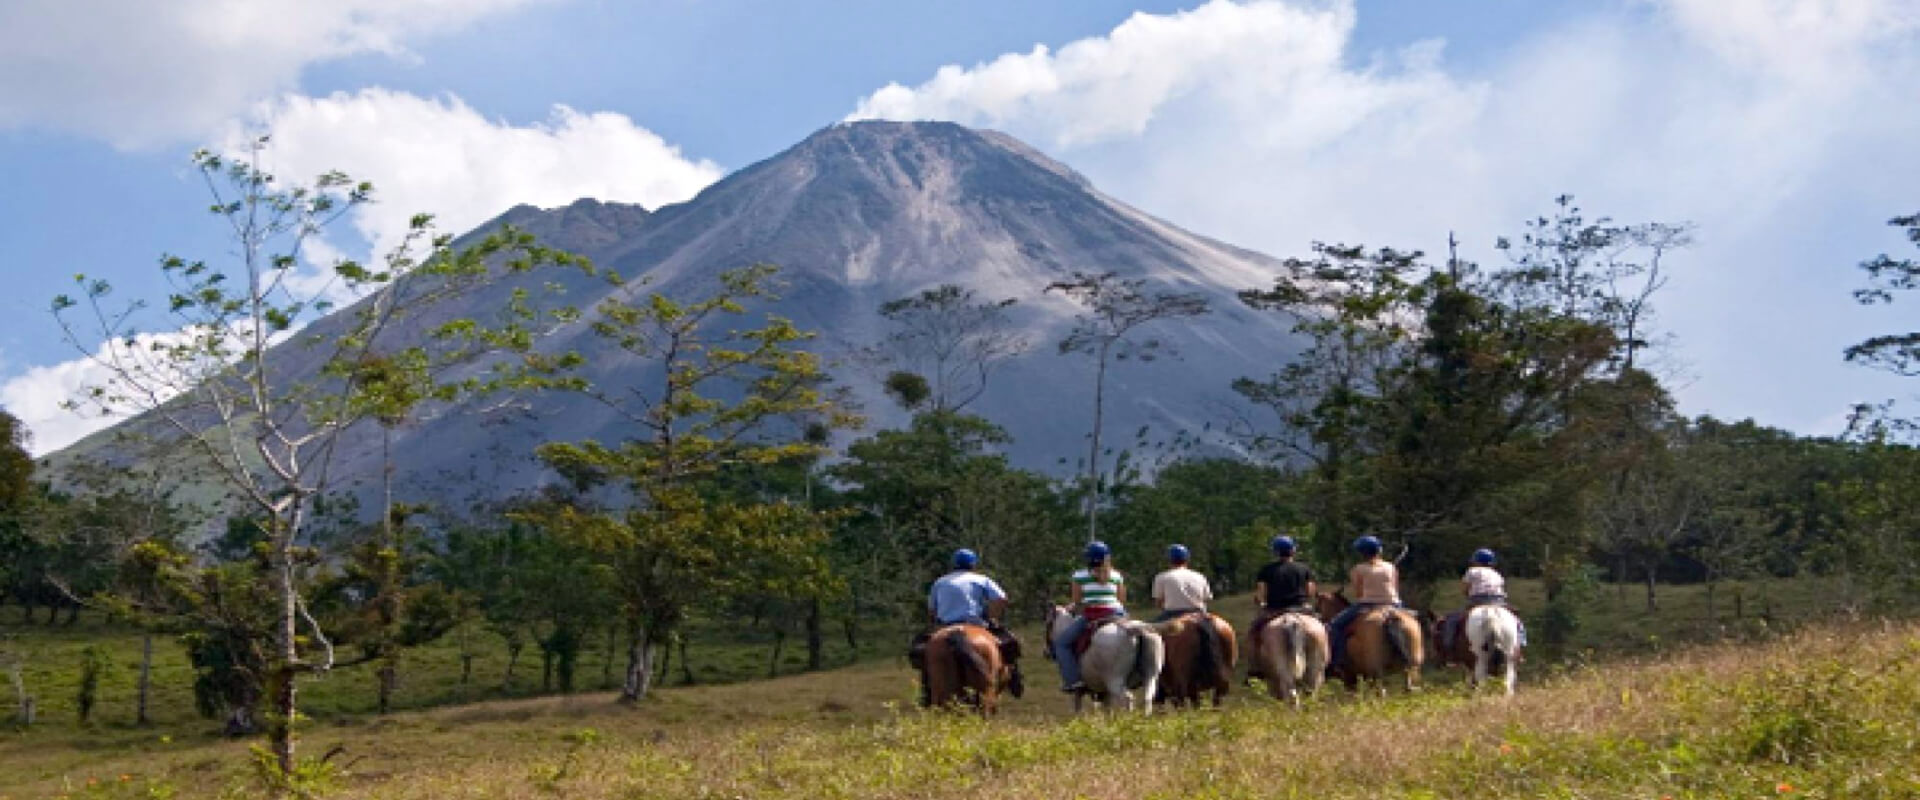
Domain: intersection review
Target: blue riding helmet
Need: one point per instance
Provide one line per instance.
(1097, 552)
(1367, 546)
(1179, 554)
(965, 559)
(1282, 545)
(1483, 556)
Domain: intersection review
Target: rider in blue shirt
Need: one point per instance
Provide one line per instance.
(966, 597)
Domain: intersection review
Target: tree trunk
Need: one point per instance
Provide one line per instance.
(666, 664)
(73, 614)
(1653, 572)
(1711, 617)
(466, 668)
(546, 669)
(686, 664)
(639, 676)
(145, 683)
(1093, 453)
(24, 701)
(513, 657)
(280, 734)
(389, 675)
(814, 645)
(606, 664)
(773, 661)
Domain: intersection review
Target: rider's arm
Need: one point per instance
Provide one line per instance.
(1120, 593)
(1075, 605)
(1159, 596)
(1359, 581)
(1260, 593)
(1313, 591)
(997, 609)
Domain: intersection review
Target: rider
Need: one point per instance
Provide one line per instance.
(1180, 591)
(1484, 586)
(1099, 592)
(1374, 582)
(966, 597)
(1282, 586)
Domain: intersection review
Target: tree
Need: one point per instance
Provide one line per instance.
(223, 389)
(1898, 353)
(1359, 310)
(949, 338)
(1115, 308)
(722, 396)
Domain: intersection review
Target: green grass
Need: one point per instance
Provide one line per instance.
(776, 738)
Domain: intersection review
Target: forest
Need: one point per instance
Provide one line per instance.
(1441, 405)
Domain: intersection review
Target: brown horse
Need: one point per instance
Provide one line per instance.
(1290, 655)
(964, 666)
(1378, 642)
(1201, 655)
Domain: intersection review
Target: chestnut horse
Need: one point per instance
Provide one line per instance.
(964, 666)
(1378, 642)
(1290, 655)
(1201, 654)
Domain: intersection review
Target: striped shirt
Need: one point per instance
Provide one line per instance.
(1099, 598)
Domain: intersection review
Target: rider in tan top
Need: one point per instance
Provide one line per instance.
(1374, 582)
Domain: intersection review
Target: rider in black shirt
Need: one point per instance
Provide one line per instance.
(1283, 585)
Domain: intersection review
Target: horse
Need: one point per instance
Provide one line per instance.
(1120, 655)
(964, 667)
(1290, 655)
(1378, 642)
(1493, 634)
(1201, 652)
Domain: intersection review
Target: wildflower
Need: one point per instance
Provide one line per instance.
(124, 778)
(1783, 788)
(1506, 748)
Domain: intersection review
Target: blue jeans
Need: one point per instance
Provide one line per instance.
(1337, 628)
(1063, 654)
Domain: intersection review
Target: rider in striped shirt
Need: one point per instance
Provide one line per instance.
(1099, 591)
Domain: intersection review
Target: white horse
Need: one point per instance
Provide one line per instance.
(1291, 656)
(1122, 655)
(1494, 634)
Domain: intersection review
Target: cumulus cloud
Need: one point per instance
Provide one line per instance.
(1771, 123)
(140, 73)
(440, 156)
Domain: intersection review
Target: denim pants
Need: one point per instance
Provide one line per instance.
(1063, 649)
(1337, 628)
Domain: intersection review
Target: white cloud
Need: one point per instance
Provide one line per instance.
(442, 157)
(1774, 124)
(145, 72)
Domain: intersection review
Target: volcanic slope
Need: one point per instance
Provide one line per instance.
(856, 215)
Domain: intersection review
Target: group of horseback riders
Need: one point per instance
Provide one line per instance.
(967, 597)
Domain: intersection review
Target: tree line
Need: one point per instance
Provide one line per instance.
(1443, 407)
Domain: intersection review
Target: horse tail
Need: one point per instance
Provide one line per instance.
(1149, 658)
(1403, 648)
(1505, 639)
(1296, 650)
(1208, 657)
(965, 657)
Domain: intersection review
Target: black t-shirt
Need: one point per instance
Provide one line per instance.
(1286, 584)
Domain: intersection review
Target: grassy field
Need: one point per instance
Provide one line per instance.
(1628, 717)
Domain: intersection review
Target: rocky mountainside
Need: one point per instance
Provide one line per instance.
(856, 215)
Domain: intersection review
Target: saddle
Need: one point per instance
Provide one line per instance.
(1268, 615)
(1085, 641)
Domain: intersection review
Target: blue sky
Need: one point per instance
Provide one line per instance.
(1783, 128)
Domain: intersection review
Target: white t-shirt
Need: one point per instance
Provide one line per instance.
(1484, 580)
(1182, 589)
